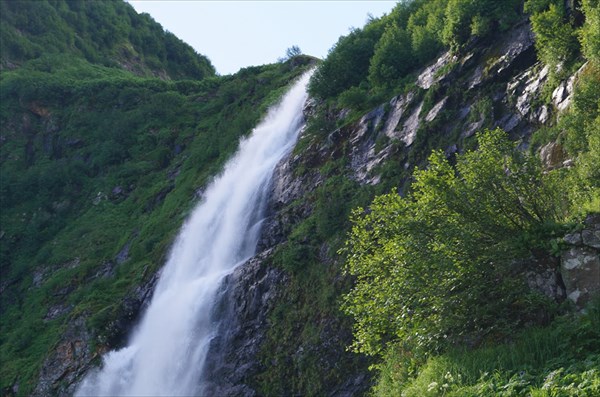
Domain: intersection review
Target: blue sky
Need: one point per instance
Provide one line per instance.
(235, 34)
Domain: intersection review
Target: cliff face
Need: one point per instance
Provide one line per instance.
(489, 86)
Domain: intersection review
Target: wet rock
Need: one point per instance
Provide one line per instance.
(115, 333)
(286, 188)
(245, 299)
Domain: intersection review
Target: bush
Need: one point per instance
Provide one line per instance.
(436, 268)
(559, 360)
(393, 57)
(589, 34)
(555, 39)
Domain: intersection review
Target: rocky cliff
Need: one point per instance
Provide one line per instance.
(273, 335)
(454, 97)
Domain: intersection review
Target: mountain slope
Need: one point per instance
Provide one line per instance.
(79, 259)
(99, 166)
(108, 33)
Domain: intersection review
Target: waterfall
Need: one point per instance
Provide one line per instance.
(167, 350)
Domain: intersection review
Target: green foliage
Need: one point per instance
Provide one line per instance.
(382, 54)
(589, 35)
(465, 18)
(577, 132)
(109, 33)
(462, 230)
(347, 63)
(93, 159)
(559, 360)
(555, 37)
(392, 57)
(354, 97)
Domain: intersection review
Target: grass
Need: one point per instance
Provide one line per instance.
(562, 359)
(158, 141)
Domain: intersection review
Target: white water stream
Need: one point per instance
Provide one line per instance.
(166, 353)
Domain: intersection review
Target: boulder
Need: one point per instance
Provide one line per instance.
(68, 361)
(580, 269)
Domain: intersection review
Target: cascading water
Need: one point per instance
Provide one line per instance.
(167, 351)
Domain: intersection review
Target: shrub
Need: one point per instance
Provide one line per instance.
(435, 268)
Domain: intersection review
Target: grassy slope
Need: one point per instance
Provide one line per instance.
(108, 33)
(93, 159)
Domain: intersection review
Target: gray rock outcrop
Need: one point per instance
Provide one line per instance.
(580, 263)
(245, 298)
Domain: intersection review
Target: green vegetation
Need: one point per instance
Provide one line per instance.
(99, 165)
(562, 359)
(436, 268)
(439, 292)
(108, 33)
(555, 36)
(379, 57)
(110, 126)
(439, 271)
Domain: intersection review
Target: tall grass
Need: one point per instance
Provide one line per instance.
(562, 359)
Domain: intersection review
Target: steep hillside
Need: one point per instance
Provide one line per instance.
(458, 263)
(99, 167)
(107, 33)
(458, 272)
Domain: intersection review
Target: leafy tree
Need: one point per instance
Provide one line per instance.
(393, 57)
(425, 26)
(590, 32)
(466, 18)
(293, 51)
(436, 267)
(347, 63)
(555, 39)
